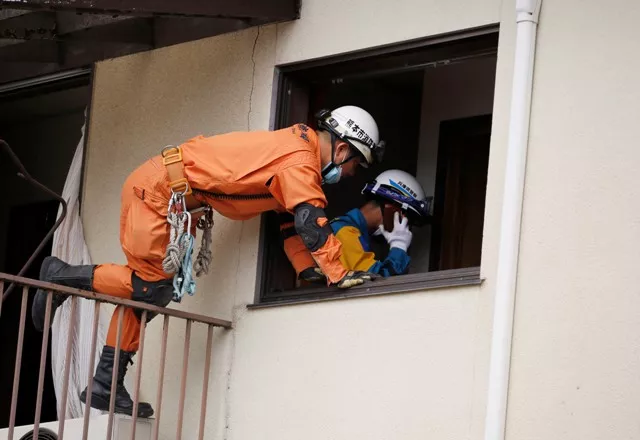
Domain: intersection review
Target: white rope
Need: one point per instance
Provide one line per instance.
(178, 256)
(176, 249)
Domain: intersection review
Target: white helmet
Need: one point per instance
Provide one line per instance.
(356, 127)
(402, 189)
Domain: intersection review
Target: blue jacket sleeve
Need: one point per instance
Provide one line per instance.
(396, 263)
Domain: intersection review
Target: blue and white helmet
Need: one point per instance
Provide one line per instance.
(403, 190)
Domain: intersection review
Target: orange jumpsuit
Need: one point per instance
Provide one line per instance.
(283, 167)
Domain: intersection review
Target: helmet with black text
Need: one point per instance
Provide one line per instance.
(357, 128)
(402, 190)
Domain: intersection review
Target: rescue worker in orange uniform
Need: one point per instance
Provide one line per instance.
(240, 175)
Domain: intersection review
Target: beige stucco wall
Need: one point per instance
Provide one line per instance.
(576, 354)
(397, 366)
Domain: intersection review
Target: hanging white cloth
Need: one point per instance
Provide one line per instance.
(69, 246)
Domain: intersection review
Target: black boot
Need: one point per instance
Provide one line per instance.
(57, 271)
(101, 391)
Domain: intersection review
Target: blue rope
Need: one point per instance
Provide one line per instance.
(183, 279)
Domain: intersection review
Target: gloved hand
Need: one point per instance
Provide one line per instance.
(313, 275)
(355, 278)
(401, 236)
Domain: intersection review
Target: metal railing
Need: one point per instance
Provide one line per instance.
(74, 294)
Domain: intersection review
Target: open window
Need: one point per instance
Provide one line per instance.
(433, 101)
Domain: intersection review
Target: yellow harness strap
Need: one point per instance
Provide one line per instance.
(172, 160)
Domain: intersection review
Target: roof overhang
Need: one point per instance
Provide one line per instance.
(38, 37)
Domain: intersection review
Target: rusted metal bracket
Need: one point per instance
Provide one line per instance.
(22, 172)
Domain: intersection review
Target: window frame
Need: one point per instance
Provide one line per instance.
(279, 115)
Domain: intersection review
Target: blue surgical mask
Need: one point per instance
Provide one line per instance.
(333, 176)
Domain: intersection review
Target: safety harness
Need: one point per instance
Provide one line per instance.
(183, 206)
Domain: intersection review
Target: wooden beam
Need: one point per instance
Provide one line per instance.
(132, 30)
(39, 25)
(69, 21)
(43, 36)
(16, 71)
(34, 51)
(169, 31)
(271, 9)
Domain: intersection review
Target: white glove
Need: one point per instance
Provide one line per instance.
(401, 236)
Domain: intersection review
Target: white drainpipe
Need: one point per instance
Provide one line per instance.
(528, 12)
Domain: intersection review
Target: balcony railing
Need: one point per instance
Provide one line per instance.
(188, 318)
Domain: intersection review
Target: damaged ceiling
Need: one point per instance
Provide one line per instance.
(39, 37)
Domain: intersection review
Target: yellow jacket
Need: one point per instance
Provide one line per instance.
(351, 231)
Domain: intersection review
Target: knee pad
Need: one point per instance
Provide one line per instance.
(157, 293)
(312, 226)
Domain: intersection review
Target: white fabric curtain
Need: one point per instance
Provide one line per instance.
(69, 246)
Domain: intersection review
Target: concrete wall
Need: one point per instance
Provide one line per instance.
(397, 366)
(576, 358)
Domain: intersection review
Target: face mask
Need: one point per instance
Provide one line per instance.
(333, 176)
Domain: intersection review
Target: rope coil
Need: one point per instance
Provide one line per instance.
(178, 258)
(203, 260)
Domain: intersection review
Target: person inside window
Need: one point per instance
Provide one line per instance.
(395, 203)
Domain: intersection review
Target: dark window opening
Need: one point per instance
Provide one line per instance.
(42, 124)
(432, 101)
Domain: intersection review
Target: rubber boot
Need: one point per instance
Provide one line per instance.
(57, 271)
(101, 391)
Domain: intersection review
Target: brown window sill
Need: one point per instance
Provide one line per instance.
(385, 286)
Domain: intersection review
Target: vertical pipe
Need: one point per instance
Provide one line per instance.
(16, 373)
(183, 383)
(205, 382)
(92, 357)
(136, 391)
(163, 356)
(43, 363)
(509, 241)
(114, 376)
(67, 368)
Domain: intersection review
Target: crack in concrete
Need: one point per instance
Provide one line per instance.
(253, 79)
